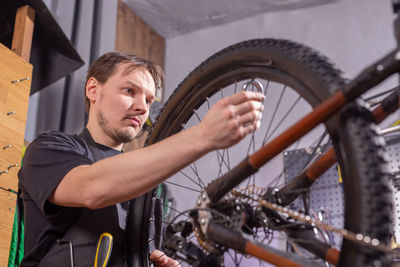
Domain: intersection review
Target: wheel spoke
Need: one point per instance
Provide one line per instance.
(274, 114)
(235, 90)
(172, 208)
(193, 167)
(198, 183)
(282, 120)
(316, 144)
(221, 161)
(192, 189)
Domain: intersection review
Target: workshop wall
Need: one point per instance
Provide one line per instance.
(91, 29)
(351, 33)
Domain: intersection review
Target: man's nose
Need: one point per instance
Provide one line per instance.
(141, 105)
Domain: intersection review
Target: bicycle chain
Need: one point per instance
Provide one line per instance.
(354, 237)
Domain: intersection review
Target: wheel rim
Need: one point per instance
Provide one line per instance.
(196, 176)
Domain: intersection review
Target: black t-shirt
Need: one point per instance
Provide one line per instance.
(47, 160)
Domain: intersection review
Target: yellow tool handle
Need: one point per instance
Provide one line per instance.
(103, 252)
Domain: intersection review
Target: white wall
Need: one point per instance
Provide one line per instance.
(352, 33)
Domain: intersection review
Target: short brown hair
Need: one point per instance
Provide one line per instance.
(104, 67)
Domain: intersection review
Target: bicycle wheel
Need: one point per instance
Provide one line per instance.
(296, 78)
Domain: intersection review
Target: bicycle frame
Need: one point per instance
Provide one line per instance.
(367, 79)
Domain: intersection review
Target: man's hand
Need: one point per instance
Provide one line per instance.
(231, 119)
(161, 260)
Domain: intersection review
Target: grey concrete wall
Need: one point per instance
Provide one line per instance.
(44, 112)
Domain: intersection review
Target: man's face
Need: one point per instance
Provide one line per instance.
(123, 103)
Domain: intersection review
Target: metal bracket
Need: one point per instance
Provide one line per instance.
(255, 83)
(390, 130)
(12, 166)
(20, 80)
(7, 146)
(204, 215)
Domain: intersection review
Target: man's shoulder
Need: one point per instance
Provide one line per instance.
(57, 140)
(55, 135)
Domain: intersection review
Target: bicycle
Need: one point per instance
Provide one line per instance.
(238, 209)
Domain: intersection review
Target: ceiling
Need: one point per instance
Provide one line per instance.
(172, 18)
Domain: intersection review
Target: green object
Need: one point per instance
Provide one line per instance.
(17, 236)
(17, 239)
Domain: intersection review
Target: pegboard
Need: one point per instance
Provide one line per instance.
(325, 194)
(393, 152)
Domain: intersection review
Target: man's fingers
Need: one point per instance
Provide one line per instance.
(249, 118)
(244, 96)
(158, 256)
(232, 118)
(161, 260)
(175, 263)
(249, 128)
(249, 106)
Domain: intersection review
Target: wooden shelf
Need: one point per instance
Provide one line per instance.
(15, 84)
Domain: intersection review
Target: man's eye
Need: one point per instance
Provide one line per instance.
(128, 91)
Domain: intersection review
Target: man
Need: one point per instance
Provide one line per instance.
(75, 188)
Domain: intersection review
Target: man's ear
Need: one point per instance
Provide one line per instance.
(92, 89)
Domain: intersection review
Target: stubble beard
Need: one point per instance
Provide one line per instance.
(119, 136)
